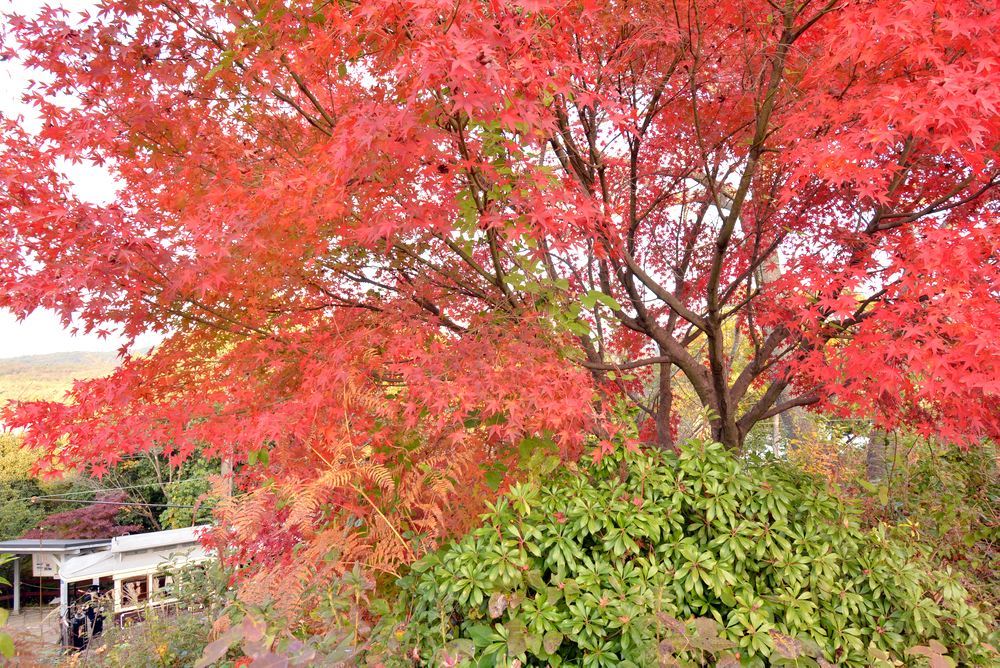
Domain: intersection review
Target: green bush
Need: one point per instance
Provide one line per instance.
(947, 498)
(170, 637)
(595, 568)
(162, 640)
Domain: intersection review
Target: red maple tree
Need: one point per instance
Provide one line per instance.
(387, 241)
(91, 520)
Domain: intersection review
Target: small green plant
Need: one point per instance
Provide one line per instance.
(948, 499)
(161, 639)
(6, 642)
(173, 636)
(598, 568)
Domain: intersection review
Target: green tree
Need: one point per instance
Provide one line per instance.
(17, 486)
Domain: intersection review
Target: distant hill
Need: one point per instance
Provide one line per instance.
(50, 376)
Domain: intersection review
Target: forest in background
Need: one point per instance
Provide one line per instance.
(62, 509)
(50, 377)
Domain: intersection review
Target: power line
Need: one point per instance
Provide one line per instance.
(121, 489)
(36, 499)
(101, 490)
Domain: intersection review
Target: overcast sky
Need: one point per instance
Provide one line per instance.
(42, 332)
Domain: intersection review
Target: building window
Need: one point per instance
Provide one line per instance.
(135, 591)
(162, 585)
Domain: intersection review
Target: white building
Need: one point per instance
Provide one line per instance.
(47, 556)
(138, 566)
(135, 569)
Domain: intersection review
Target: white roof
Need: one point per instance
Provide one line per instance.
(138, 554)
(52, 545)
(156, 539)
(126, 564)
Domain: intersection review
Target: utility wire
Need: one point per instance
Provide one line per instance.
(101, 490)
(36, 499)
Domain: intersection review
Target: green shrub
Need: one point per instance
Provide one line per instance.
(162, 640)
(170, 637)
(949, 499)
(595, 568)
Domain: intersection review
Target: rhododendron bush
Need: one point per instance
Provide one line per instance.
(387, 242)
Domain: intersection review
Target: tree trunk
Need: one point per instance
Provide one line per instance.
(875, 455)
(664, 438)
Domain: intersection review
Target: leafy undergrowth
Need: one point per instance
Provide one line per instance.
(600, 567)
(948, 500)
(940, 495)
(170, 637)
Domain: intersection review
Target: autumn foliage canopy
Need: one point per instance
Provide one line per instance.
(388, 241)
